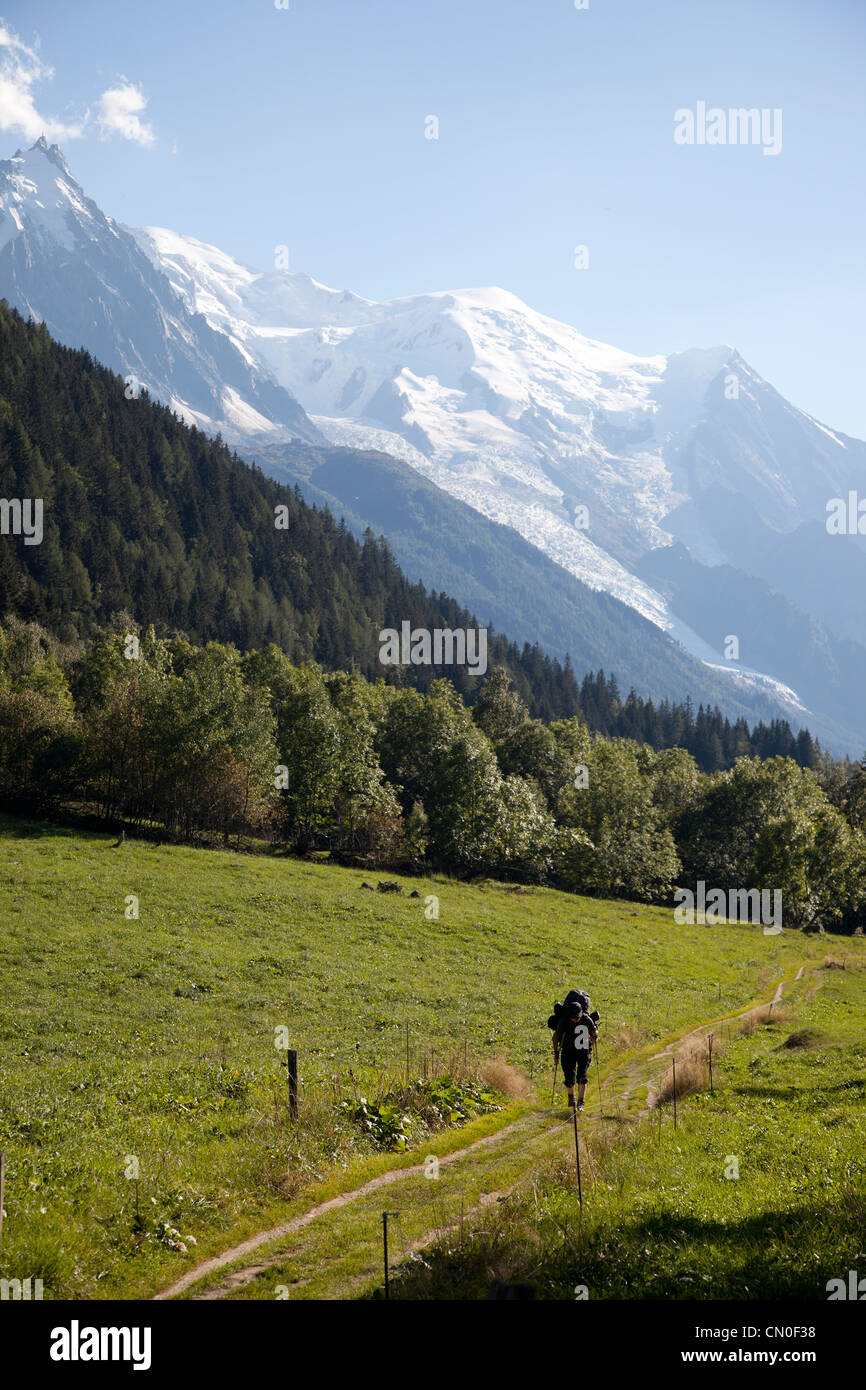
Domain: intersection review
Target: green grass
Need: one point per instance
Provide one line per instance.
(664, 1214)
(155, 1038)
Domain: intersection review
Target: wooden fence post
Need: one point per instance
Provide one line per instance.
(385, 1215)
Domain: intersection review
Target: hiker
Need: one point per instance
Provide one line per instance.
(574, 1032)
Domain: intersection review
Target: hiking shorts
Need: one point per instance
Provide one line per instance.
(575, 1064)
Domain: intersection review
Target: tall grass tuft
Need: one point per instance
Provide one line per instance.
(506, 1079)
(692, 1073)
(762, 1016)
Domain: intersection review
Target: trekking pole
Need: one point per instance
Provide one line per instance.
(555, 1065)
(577, 1155)
(598, 1076)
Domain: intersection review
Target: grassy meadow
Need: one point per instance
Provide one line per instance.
(147, 1046)
(759, 1191)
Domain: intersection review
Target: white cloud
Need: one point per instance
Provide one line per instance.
(117, 113)
(21, 68)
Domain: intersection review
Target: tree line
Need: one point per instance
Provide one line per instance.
(190, 741)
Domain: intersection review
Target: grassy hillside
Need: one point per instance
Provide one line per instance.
(153, 1039)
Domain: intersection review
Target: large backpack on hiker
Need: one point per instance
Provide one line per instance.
(558, 1020)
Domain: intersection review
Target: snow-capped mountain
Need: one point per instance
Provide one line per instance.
(530, 422)
(64, 262)
(598, 459)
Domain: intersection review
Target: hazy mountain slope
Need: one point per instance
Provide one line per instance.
(829, 672)
(444, 542)
(434, 536)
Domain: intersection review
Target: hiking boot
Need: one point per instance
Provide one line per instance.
(579, 1106)
(569, 1100)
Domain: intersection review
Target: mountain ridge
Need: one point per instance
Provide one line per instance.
(134, 321)
(526, 428)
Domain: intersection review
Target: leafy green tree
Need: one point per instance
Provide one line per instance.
(38, 748)
(525, 832)
(851, 796)
(433, 752)
(417, 835)
(499, 711)
(626, 849)
(192, 749)
(768, 826)
(309, 747)
(675, 779)
(366, 812)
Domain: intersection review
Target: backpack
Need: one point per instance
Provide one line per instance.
(561, 1011)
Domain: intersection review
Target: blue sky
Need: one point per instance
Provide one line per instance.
(305, 127)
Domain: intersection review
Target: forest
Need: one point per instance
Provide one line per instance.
(208, 743)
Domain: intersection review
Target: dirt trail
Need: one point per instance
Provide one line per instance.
(239, 1277)
(684, 1041)
(631, 1070)
(297, 1223)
